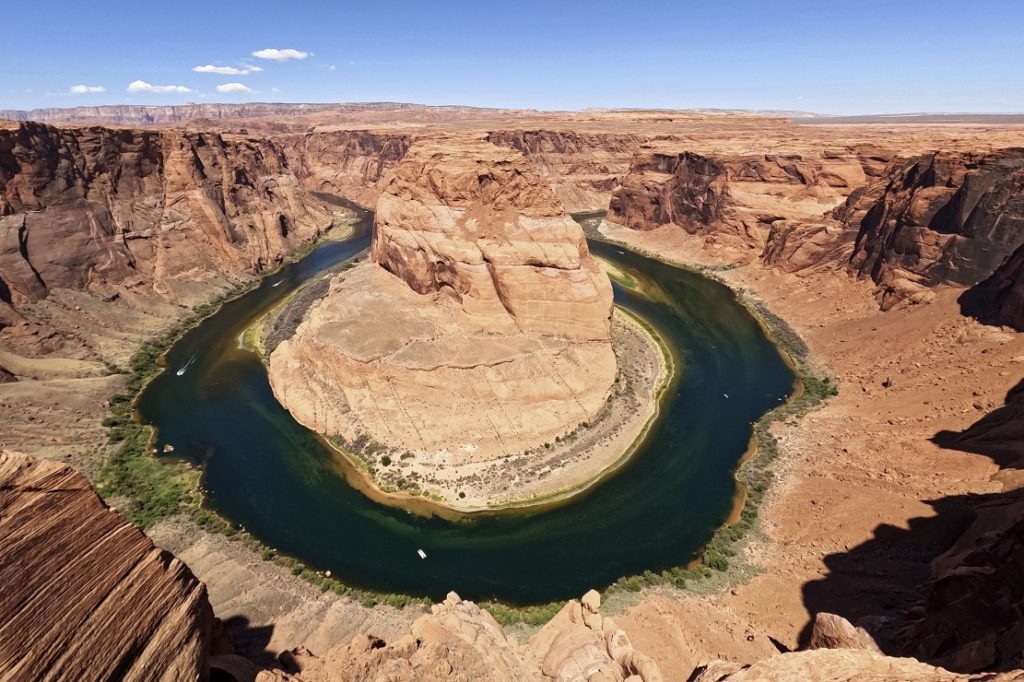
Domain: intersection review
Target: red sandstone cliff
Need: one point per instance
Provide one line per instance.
(86, 596)
(91, 207)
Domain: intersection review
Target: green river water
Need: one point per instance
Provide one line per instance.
(266, 472)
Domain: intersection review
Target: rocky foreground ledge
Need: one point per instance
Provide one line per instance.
(88, 597)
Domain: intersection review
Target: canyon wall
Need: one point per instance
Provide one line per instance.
(731, 199)
(938, 218)
(93, 599)
(581, 168)
(907, 224)
(687, 190)
(89, 208)
(348, 163)
(1000, 298)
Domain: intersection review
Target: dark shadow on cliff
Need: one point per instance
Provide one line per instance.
(246, 640)
(949, 589)
(979, 302)
(998, 435)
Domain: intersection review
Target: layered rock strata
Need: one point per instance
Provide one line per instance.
(95, 208)
(937, 218)
(86, 595)
(481, 328)
(581, 168)
(731, 199)
(349, 163)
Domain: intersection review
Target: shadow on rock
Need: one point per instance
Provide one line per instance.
(948, 590)
(247, 640)
(998, 435)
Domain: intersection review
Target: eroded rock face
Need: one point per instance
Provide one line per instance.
(581, 644)
(835, 632)
(973, 618)
(349, 163)
(942, 217)
(685, 189)
(86, 595)
(733, 199)
(794, 246)
(1000, 298)
(480, 329)
(91, 207)
(458, 640)
(484, 229)
(581, 168)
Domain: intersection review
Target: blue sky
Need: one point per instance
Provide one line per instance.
(829, 56)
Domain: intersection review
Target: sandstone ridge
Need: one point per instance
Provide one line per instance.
(86, 595)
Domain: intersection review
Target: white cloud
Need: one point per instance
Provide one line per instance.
(280, 55)
(143, 86)
(276, 91)
(228, 70)
(86, 89)
(234, 89)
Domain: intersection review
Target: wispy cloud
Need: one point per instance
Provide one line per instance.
(235, 89)
(143, 86)
(329, 67)
(86, 89)
(228, 70)
(280, 55)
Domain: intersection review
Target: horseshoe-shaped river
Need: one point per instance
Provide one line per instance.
(266, 472)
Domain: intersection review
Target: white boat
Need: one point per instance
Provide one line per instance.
(726, 395)
(277, 283)
(423, 555)
(185, 367)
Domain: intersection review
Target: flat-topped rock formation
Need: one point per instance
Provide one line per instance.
(86, 595)
(480, 329)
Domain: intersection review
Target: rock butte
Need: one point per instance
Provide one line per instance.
(480, 329)
(898, 504)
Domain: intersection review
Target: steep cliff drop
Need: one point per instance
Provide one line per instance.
(86, 595)
(730, 201)
(939, 218)
(98, 208)
(480, 330)
(942, 217)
